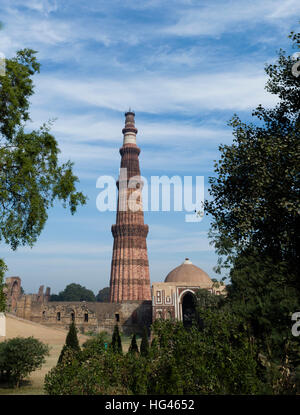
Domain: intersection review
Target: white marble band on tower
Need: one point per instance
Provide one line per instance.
(129, 138)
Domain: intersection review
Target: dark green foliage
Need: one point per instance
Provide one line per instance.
(145, 343)
(71, 342)
(116, 343)
(104, 374)
(93, 346)
(103, 295)
(72, 339)
(19, 357)
(255, 192)
(218, 360)
(62, 353)
(133, 348)
(74, 292)
(255, 228)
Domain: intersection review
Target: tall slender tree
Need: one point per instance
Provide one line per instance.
(133, 348)
(71, 342)
(145, 343)
(116, 342)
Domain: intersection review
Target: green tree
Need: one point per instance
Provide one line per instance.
(133, 348)
(31, 177)
(255, 213)
(71, 342)
(256, 188)
(94, 346)
(116, 343)
(74, 292)
(20, 356)
(145, 343)
(103, 295)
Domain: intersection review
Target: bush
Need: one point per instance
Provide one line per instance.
(93, 347)
(21, 356)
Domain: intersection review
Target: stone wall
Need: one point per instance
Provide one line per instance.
(131, 316)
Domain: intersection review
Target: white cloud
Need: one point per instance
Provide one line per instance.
(196, 242)
(241, 89)
(60, 249)
(216, 18)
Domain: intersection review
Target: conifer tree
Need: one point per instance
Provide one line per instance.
(145, 343)
(71, 342)
(116, 340)
(72, 339)
(133, 348)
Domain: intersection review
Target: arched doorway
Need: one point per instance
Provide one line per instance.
(188, 309)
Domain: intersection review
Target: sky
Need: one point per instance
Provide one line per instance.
(184, 66)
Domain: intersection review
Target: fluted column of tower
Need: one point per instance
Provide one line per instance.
(129, 278)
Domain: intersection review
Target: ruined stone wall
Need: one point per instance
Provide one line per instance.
(88, 316)
(12, 291)
(131, 316)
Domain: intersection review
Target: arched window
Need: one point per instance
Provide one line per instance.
(58, 316)
(86, 317)
(188, 309)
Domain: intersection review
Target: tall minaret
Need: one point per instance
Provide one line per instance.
(129, 278)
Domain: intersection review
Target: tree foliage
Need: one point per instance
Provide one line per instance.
(19, 357)
(103, 295)
(213, 361)
(256, 187)
(74, 292)
(133, 348)
(116, 343)
(94, 346)
(145, 343)
(71, 342)
(255, 219)
(31, 178)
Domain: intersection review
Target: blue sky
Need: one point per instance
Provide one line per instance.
(184, 66)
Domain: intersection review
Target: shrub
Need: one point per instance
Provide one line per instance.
(21, 356)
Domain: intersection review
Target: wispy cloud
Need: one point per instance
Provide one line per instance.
(184, 66)
(242, 89)
(219, 17)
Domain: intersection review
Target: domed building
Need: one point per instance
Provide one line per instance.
(174, 298)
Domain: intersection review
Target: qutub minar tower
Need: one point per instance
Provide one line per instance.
(129, 278)
(132, 305)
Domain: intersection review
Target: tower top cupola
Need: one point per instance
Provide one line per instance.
(129, 130)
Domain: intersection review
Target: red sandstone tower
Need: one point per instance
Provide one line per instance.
(129, 278)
